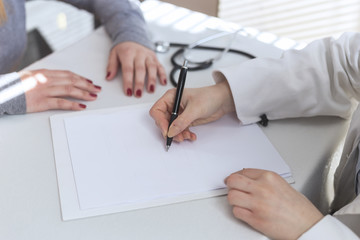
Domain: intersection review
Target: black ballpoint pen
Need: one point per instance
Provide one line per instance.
(179, 91)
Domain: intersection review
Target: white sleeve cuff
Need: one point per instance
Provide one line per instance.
(329, 228)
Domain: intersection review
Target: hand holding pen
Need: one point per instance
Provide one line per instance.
(197, 106)
(179, 92)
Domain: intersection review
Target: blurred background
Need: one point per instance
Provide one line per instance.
(53, 25)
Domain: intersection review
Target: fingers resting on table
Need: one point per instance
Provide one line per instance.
(139, 65)
(51, 89)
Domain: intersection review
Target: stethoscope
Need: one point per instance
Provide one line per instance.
(163, 47)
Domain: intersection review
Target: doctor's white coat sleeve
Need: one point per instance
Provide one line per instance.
(329, 228)
(320, 79)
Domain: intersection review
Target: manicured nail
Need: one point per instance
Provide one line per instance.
(107, 75)
(89, 81)
(129, 92)
(138, 93)
(98, 87)
(152, 88)
(93, 95)
(82, 105)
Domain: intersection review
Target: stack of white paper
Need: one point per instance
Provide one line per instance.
(118, 160)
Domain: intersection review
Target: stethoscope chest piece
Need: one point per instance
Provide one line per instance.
(162, 46)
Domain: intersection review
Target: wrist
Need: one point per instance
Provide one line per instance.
(312, 219)
(227, 99)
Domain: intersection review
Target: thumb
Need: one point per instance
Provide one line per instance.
(182, 122)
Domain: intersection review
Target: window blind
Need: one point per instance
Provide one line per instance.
(303, 20)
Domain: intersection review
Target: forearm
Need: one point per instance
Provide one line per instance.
(122, 19)
(318, 80)
(12, 96)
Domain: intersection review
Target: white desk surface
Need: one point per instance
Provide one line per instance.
(29, 199)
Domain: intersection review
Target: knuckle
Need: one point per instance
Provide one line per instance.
(230, 180)
(139, 84)
(161, 69)
(140, 68)
(84, 94)
(127, 68)
(270, 176)
(264, 191)
(151, 78)
(257, 207)
(61, 103)
(180, 123)
(152, 64)
(68, 89)
(170, 91)
(74, 106)
(235, 179)
(72, 79)
(246, 182)
(231, 196)
(68, 73)
(126, 52)
(152, 112)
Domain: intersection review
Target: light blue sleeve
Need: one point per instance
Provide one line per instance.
(123, 19)
(12, 96)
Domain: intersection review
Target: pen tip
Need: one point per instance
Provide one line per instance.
(167, 147)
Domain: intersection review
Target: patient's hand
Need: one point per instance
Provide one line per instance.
(50, 89)
(264, 200)
(139, 65)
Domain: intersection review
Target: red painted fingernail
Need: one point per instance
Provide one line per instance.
(89, 81)
(108, 75)
(82, 105)
(128, 92)
(152, 88)
(93, 95)
(165, 82)
(138, 93)
(98, 87)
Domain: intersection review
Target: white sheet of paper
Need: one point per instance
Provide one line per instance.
(119, 160)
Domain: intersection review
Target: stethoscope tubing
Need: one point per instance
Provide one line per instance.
(201, 65)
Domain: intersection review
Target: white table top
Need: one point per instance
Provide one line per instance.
(29, 200)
